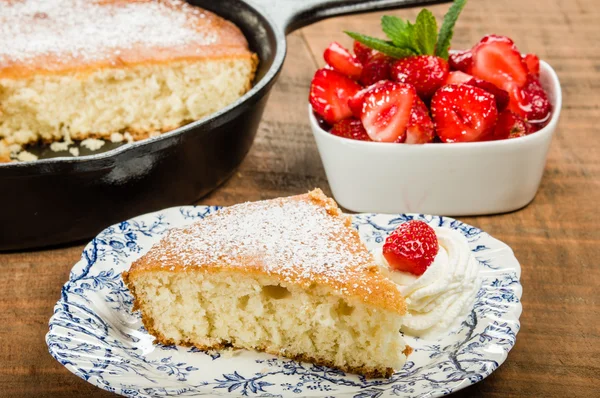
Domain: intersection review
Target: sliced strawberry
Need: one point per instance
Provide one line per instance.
(501, 96)
(356, 102)
(420, 128)
(509, 125)
(533, 64)
(386, 111)
(426, 72)
(463, 113)
(497, 60)
(341, 60)
(362, 52)
(458, 77)
(350, 128)
(461, 61)
(375, 69)
(412, 247)
(329, 94)
(531, 103)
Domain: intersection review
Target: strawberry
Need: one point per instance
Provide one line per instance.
(531, 103)
(341, 60)
(463, 113)
(461, 61)
(356, 102)
(386, 111)
(329, 94)
(350, 128)
(497, 60)
(426, 72)
(412, 247)
(501, 96)
(533, 64)
(376, 68)
(458, 77)
(509, 125)
(420, 128)
(362, 52)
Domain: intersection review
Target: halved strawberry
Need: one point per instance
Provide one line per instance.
(329, 94)
(341, 60)
(458, 77)
(426, 72)
(362, 52)
(509, 125)
(501, 96)
(420, 128)
(412, 247)
(533, 64)
(497, 60)
(350, 128)
(531, 103)
(375, 69)
(461, 61)
(356, 102)
(386, 111)
(463, 113)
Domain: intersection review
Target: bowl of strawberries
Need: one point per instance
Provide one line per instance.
(406, 125)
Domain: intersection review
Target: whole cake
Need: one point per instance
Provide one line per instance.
(288, 276)
(80, 69)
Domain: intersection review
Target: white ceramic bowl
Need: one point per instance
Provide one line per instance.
(449, 179)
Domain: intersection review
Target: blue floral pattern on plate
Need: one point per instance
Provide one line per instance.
(95, 334)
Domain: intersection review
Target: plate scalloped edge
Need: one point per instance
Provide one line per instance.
(94, 333)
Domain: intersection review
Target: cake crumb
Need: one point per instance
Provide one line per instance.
(92, 144)
(74, 151)
(59, 146)
(25, 156)
(116, 137)
(128, 137)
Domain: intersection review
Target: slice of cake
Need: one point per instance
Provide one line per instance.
(288, 276)
(78, 69)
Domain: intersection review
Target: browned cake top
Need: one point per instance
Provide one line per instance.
(61, 35)
(301, 240)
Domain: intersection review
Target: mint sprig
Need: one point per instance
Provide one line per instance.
(447, 29)
(400, 32)
(426, 32)
(421, 38)
(386, 47)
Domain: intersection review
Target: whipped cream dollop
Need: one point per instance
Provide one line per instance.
(444, 294)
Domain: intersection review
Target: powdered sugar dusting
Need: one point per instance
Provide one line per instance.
(291, 238)
(88, 30)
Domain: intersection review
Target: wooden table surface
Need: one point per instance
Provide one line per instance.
(556, 238)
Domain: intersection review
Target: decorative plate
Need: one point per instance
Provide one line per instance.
(95, 334)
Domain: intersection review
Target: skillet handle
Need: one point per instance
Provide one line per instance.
(295, 14)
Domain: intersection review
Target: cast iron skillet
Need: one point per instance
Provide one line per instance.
(58, 200)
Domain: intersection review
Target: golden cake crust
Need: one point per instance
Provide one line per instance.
(336, 259)
(156, 32)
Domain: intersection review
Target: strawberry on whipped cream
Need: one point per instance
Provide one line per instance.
(441, 297)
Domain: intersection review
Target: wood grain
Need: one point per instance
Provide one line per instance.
(556, 238)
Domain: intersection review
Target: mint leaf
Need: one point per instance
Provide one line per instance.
(426, 32)
(401, 33)
(385, 47)
(447, 29)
